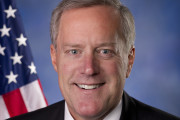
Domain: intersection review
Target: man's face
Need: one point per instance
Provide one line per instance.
(91, 72)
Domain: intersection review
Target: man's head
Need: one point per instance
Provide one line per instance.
(92, 52)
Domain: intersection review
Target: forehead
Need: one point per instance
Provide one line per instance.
(99, 10)
(96, 21)
(103, 13)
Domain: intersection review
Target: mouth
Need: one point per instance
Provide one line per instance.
(89, 87)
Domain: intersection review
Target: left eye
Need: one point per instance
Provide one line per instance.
(105, 53)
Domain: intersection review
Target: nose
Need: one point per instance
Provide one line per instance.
(90, 65)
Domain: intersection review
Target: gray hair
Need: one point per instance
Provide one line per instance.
(127, 27)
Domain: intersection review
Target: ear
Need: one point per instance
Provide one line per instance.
(53, 56)
(131, 58)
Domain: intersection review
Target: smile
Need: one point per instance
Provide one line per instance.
(89, 87)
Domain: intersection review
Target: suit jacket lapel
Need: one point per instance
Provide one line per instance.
(128, 109)
(60, 113)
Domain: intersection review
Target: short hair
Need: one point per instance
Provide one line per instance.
(127, 26)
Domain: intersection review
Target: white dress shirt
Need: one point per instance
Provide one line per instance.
(113, 115)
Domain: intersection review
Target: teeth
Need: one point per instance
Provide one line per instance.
(88, 87)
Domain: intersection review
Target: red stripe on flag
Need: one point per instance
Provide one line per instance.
(42, 92)
(14, 103)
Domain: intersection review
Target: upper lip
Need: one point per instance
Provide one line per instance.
(90, 83)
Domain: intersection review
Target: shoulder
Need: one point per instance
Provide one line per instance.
(142, 111)
(51, 112)
(148, 112)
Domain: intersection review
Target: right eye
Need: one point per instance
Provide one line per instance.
(73, 52)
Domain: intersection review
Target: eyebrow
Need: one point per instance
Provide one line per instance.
(106, 44)
(72, 45)
(99, 45)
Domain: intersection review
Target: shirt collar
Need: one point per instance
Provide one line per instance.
(67, 113)
(113, 115)
(116, 113)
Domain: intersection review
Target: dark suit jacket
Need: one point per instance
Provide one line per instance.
(131, 110)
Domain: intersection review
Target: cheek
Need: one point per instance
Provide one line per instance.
(67, 71)
(111, 68)
(115, 81)
(67, 68)
(115, 74)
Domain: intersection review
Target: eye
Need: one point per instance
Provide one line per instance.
(73, 51)
(106, 53)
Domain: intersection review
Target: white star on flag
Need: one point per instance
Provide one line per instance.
(21, 40)
(32, 68)
(10, 12)
(5, 31)
(2, 50)
(12, 77)
(16, 59)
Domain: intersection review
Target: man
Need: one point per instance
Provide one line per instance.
(93, 52)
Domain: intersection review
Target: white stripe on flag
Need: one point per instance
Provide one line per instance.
(3, 110)
(33, 96)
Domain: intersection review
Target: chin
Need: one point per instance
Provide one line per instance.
(89, 110)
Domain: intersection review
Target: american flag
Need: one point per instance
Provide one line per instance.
(20, 88)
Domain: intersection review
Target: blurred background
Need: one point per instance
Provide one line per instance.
(155, 78)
